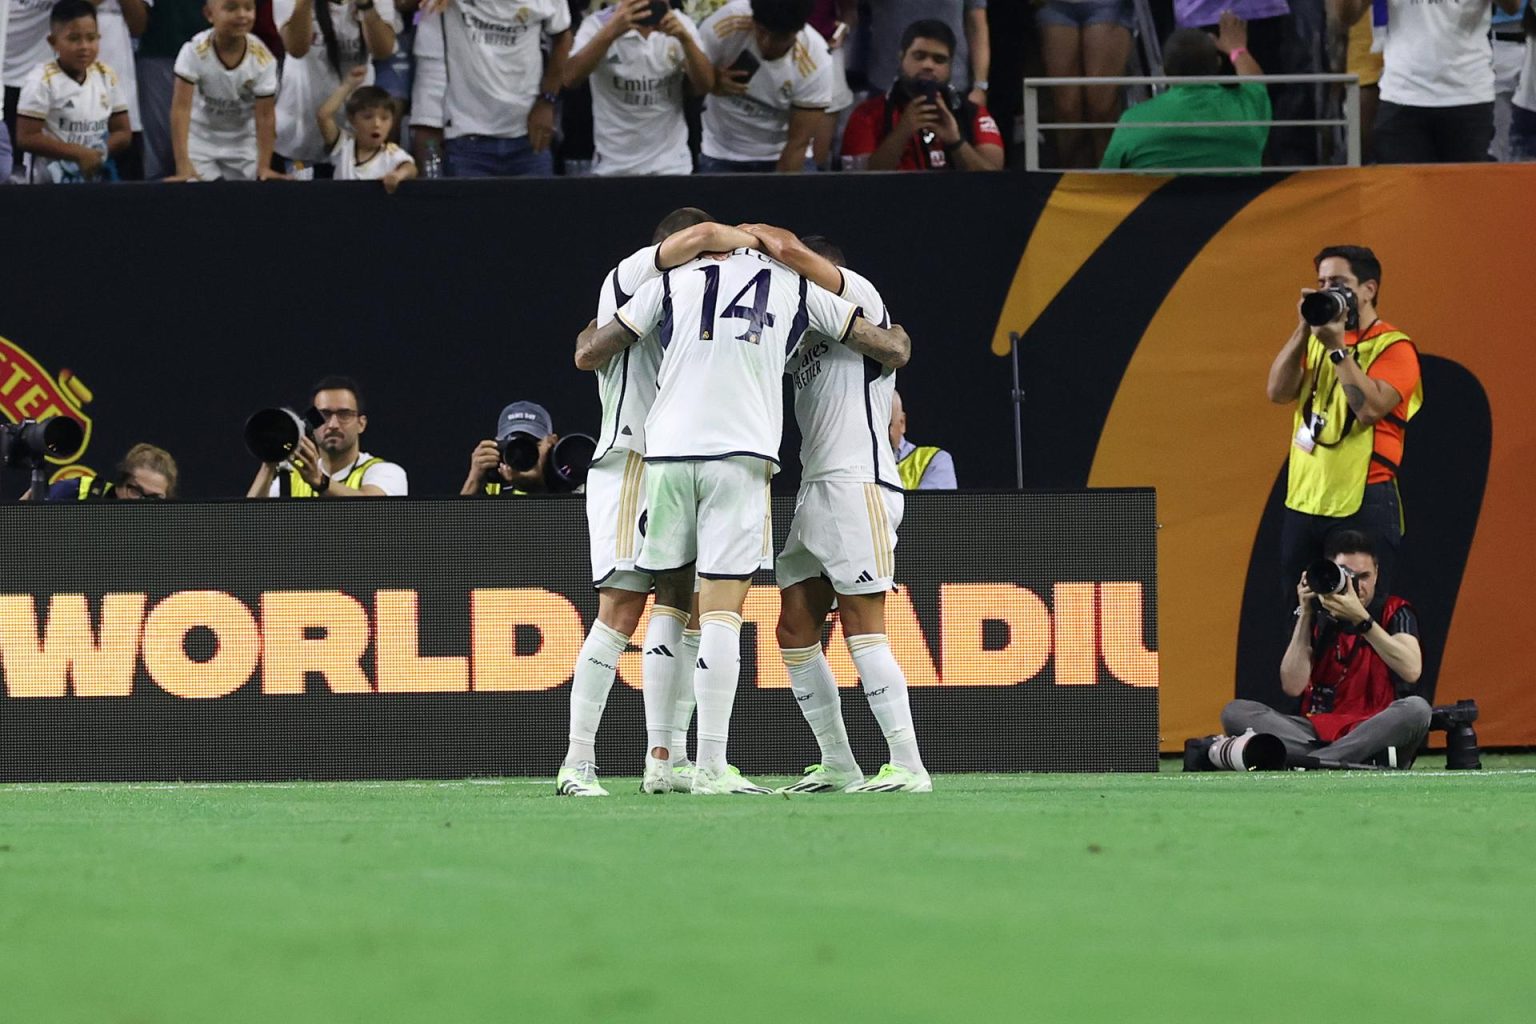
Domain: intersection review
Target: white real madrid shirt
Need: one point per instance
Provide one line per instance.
(25, 38)
(637, 100)
(224, 101)
(495, 62)
(345, 165)
(71, 111)
(726, 329)
(843, 402)
(626, 384)
(755, 126)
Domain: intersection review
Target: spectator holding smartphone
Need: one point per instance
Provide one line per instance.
(773, 86)
(639, 54)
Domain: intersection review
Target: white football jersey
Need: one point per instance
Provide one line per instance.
(755, 126)
(224, 102)
(117, 54)
(495, 63)
(727, 326)
(343, 157)
(71, 111)
(627, 382)
(843, 402)
(25, 39)
(637, 100)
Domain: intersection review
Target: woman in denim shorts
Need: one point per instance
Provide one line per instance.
(1084, 39)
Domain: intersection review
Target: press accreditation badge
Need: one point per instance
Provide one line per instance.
(1304, 439)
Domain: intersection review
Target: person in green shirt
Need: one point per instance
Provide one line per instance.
(1191, 52)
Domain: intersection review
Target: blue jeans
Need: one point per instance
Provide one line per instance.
(712, 165)
(482, 156)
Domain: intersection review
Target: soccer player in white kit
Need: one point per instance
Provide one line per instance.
(727, 325)
(842, 540)
(616, 510)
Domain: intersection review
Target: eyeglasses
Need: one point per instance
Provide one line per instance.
(341, 415)
(130, 487)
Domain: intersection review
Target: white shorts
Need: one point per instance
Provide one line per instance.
(213, 163)
(715, 513)
(615, 512)
(845, 531)
(427, 89)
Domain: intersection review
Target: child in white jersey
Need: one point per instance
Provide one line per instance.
(362, 151)
(71, 117)
(223, 112)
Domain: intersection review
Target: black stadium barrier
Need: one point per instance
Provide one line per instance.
(414, 638)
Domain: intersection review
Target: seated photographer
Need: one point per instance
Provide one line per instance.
(1350, 670)
(517, 461)
(331, 463)
(146, 472)
(922, 124)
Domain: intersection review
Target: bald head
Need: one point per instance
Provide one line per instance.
(898, 420)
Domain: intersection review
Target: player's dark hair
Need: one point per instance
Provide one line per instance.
(1190, 51)
(1348, 542)
(337, 382)
(367, 98)
(928, 28)
(677, 220)
(825, 248)
(782, 16)
(328, 34)
(66, 11)
(1362, 262)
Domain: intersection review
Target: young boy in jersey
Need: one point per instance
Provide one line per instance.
(223, 111)
(71, 117)
(364, 152)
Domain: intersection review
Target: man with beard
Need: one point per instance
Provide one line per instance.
(332, 464)
(922, 124)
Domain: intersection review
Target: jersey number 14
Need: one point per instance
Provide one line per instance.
(756, 315)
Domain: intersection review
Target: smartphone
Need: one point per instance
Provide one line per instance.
(659, 9)
(746, 62)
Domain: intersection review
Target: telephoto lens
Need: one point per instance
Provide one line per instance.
(1325, 577)
(520, 452)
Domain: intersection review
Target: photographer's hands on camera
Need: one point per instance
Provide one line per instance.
(927, 113)
(1330, 334)
(1345, 606)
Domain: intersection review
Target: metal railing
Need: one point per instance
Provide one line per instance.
(1350, 122)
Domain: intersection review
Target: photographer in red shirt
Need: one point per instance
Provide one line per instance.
(922, 124)
(1351, 670)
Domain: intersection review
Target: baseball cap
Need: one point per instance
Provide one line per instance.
(528, 418)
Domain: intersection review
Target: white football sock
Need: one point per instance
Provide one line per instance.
(664, 657)
(714, 684)
(595, 668)
(886, 688)
(816, 692)
(685, 700)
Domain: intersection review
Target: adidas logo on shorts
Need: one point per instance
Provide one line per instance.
(865, 577)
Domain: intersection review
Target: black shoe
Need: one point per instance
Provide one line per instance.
(1197, 754)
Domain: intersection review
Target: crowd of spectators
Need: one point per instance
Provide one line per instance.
(199, 89)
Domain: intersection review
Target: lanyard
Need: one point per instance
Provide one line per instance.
(1312, 407)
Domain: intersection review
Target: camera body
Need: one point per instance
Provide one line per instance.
(568, 463)
(1455, 720)
(659, 9)
(935, 92)
(1326, 306)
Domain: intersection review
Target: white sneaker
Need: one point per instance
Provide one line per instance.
(818, 778)
(579, 779)
(708, 783)
(895, 779)
(658, 776)
(682, 776)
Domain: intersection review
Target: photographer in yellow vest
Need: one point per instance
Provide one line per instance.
(1355, 383)
(922, 467)
(331, 463)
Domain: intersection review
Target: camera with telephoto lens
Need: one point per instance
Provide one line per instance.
(1325, 577)
(569, 459)
(30, 443)
(272, 434)
(1455, 720)
(1326, 306)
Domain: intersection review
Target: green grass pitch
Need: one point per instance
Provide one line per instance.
(1167, 897)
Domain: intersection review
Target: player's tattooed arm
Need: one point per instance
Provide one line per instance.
(788, 249)
(690, 243)
(888, 346)
(596, 345)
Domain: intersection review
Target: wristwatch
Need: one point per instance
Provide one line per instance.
(1362, 628)
(550, 97)
(1338, 355)
(324, 485)
(981, 84)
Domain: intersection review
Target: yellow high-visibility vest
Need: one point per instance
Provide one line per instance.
(1330, 479)
(914, 465)
(298, 487)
